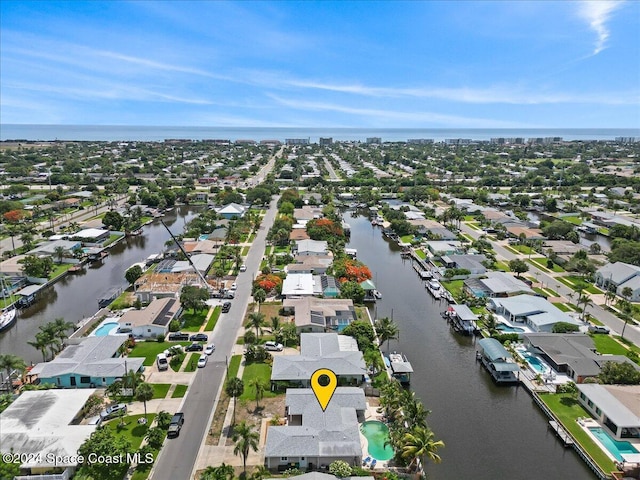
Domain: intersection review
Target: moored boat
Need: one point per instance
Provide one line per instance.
(7, 319)
(400, 367)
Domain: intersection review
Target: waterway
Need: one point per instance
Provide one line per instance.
(76, 296)
(489, 431)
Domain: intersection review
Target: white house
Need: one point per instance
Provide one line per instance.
(536, 312)
(152, 321)
(619, 275)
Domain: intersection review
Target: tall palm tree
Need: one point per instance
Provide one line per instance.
(144, 393)
(59, 252)
(275, 324)
(9, 363)
(60, 327)
(256, 320)
(419, 444)
(132, 379)
(41, 343)
(387, 330)
(245, 438)
(260, 387)
(259, 296)
(234, 388)
(414, 411)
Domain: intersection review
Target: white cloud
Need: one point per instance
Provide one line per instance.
(597, 13)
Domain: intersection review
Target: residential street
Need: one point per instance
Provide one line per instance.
(632, 333)
(177, 458)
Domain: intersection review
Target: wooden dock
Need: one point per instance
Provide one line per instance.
(561, 433)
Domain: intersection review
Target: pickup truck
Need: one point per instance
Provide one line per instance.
(176, 425)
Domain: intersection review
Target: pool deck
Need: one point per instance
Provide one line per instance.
(587, 423)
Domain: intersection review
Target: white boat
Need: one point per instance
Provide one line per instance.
(7, 319)
(433, 285)
(377, 294)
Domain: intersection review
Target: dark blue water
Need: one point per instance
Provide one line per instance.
(160, 133)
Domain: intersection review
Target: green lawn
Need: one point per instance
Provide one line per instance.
(234, 366)
(568, 410)
(406, 238)
(541, 263)
(245, 250)
(160, 390)
(132, 430)
(562, 307)
(122, 301)
(525, 249)
(504, 266)
(454, 286)
(421, 254)
(179, 391)
(149, 350)
(577, 280)
(112, 238)
(192, 321)
(213, 319)
(573, 220)
(192, 362)
(606, 344)
(474, 225)
(540, 291)
(256, 370)
(59, 269)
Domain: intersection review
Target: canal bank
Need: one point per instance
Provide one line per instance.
(489, 431)
(75, 297)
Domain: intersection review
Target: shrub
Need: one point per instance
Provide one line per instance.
(340, 469)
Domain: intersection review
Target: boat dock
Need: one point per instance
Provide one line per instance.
(561, 433)
(400, 367)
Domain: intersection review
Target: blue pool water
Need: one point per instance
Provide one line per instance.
(377, 433)
(506, 328)
(615, 447)
(535, 363)
(203, 237)
(104, 329)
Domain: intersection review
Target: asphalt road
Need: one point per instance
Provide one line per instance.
(631, 333)
(178, 456)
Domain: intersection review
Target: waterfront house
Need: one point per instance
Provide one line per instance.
(298, 232)
(91, 236)
(153, 320)
(529, 234)
(496, 284)
(497, 360)
(232, 210)
(573, 354)
(338, 353)
(320, 314)
(440, 247)
(88, 362)
(619, 276)
(306, 213)
(200, 246)
(311, 248)
(473, 263)
(310, 264)
(537, 313)
(40, 426)
(313, 438)
(615, 407)
(70, 247)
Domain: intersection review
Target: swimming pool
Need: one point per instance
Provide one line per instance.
(615, 447)
(503, 327)
(377, 433)
(537, 364)
(105, 329)
(203, 237)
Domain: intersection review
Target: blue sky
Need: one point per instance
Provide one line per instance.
(421, 64)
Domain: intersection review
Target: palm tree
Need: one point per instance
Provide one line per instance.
(387, 330)
(419, 445)
(9, 363)
(414, 411)
(260, 387)
(585, 301)
(132, 379)
(144, 393)
(60, 327)
(261, 472)
(491, 324)
(221, 472)
(41, 343)
(59, 252)
(627, 293)
(234, 388)
(256, 320)
(275, 324)
(246, 438)
(259, 296)
(289, 333)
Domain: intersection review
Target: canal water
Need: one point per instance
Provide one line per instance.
(490, 432)
(76, 295)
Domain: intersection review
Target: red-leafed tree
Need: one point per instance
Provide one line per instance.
(324, 229)
(267, 282)
(351, 270)
(14, 216)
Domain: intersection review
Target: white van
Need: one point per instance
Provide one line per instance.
(161, 362)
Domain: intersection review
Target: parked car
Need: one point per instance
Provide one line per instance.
(226, 306)
(113, 411)
(194, 347)
(243, 268)
(202, 361)
(178, 336)
(599, 329)
(273, 346)
(229, 294)
(176, 425)
(234, 286)
(199, 337)
(162, 362)
(209, 349)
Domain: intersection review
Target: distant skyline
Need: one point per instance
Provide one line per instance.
(505, 64)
